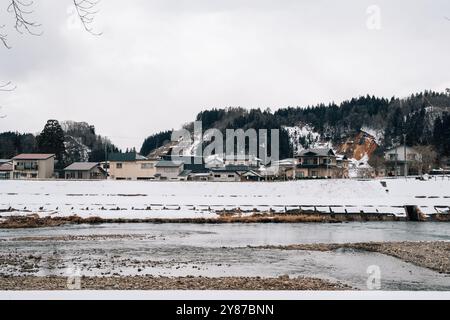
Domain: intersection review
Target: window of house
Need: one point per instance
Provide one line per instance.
(392, 156)
(146, 166)
(231, 176)
(118, 165)
(217, 176)
(80, 175)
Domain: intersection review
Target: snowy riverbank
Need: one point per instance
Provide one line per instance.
(144, 200)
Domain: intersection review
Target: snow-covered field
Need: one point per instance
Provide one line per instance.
(142, 199)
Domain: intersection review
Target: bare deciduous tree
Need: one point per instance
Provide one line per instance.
(8, 86)
(86, 10)
(428, 158)
(3, 38)
(22, 11)
(378, 163)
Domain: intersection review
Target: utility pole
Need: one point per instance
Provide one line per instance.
(328, 165)
(404, 154)
(405, 168)
(106, 160)
(293, 163)
(396, 161)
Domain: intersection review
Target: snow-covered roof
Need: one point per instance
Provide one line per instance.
(33, 156)
(317, 151)
(81, 166)
(166, 163)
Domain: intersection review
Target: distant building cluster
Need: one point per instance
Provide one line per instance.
(308, 164)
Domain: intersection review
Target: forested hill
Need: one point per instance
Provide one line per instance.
(424, 117)
(70, 141)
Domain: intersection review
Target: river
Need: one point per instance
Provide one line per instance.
(221, 250)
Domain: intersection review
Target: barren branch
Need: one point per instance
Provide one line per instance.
(3, 38)
(8, 86)
(86, 12)
(21, 9)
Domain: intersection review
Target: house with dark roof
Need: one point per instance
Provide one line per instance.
(230, 173)
(225, 175)
(170, 170)
(242, 160)
(85, 171)
(130, 166)
(6, 169)
(317, 163)
(33, 166)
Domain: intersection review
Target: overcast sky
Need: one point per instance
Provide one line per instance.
(159, 62)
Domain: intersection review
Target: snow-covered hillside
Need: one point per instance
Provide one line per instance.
(75, 149)
(378, 134)
(303, 137)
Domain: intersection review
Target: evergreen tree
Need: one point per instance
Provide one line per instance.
(51, 140)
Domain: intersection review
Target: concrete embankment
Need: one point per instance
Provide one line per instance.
(34, 221)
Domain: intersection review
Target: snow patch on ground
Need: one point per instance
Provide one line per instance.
(359, 168)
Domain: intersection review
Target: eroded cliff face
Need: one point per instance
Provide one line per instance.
(358, 146)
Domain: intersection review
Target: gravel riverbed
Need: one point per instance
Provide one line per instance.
(169, 283)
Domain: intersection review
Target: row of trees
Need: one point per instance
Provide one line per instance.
(423, 117)
(70, 142)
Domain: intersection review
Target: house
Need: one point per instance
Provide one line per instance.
(33, 166)
(214, 161)
(284, 168)
(225, 174)
(230, 173)
(193, 163)
(6, 169)
(343, 165)
(84, 171)
(242, 160)
(251, 175)
(170, 170)
(317, 163)
(202, 176)
(130, 166)
(445, 163)
(401, 159)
